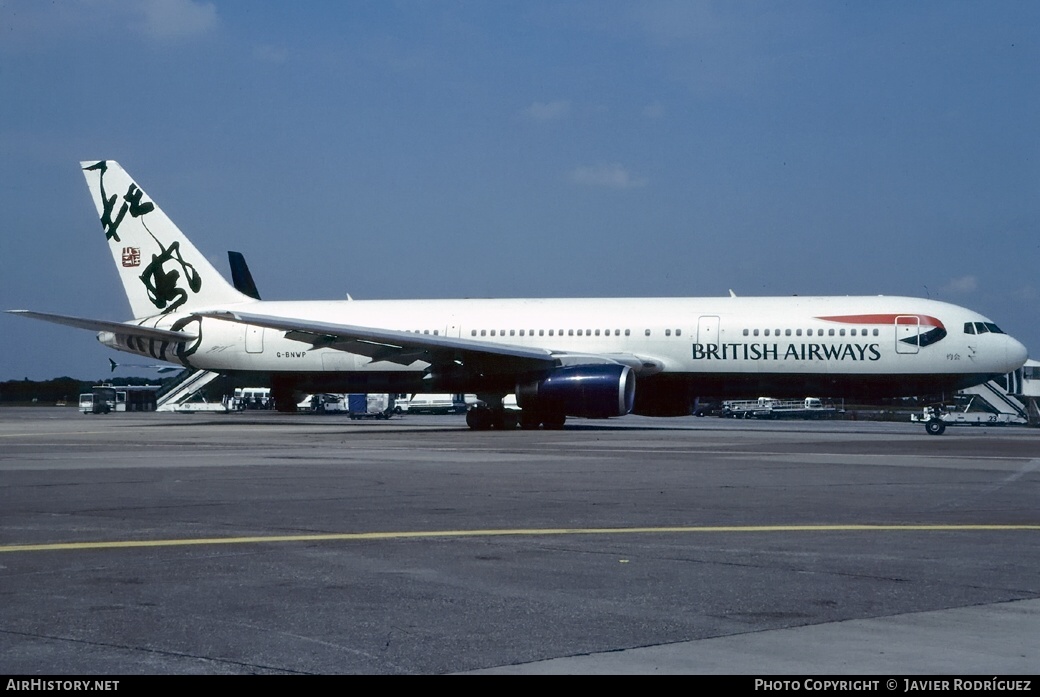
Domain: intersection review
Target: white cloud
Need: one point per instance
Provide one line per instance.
(963, 284)
(548, 111)
(176, 19)
(612, 176)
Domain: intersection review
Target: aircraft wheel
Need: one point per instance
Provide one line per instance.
(510, 419)
(479, 418)
(935, 427)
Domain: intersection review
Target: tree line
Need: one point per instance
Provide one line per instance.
(66, 389)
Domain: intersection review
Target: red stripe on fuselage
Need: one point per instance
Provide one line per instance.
(884, 319)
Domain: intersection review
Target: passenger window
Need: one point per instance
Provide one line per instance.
(678, 332)
(767, 332)
(787, 332)
(746, 332)
(876, 332)
(798, 332)
(492, 332)
(512, 332)
(667, 332)
(597, 332)
(841, 332)
(756, 332)
(483, 332)
(473, 332)
(570, 332)
(648, 332)
(830, 332)
(628, 332)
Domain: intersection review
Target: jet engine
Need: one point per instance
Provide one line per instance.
(594, 391)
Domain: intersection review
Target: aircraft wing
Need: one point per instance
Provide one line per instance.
(400, 347)
(101, 325)
(405, 348)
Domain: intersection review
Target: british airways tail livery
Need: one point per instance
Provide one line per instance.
(560, 357)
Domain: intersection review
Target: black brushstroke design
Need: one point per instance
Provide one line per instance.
(162, 285)
(183, 350)
(132, 204)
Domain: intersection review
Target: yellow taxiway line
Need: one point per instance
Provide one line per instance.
(516, 532)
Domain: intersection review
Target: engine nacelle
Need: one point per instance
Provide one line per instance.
(595, 391)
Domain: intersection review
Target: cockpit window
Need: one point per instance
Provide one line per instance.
(981, 328)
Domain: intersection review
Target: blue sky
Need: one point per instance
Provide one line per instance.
(525, 149)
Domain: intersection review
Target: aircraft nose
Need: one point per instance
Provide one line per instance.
(1017, 353)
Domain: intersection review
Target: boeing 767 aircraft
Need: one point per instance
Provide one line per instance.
(560, 356)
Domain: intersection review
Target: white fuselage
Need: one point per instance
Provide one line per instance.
(801, 345)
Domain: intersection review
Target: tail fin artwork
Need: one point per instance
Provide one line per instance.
(162, 272)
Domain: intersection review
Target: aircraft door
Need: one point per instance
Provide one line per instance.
(708, 330)
(254, 339)
(908, 331)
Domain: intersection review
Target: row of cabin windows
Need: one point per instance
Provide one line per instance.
(969, 328)
(811, 332)
(548, 332)
(552, 332)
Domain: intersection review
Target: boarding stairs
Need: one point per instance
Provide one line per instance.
(999, 401)
(183, 390)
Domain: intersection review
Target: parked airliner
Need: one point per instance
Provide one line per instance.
(560, 357)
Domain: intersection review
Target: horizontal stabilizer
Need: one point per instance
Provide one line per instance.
(101, 325)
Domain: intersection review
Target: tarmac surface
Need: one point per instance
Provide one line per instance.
(264, 543)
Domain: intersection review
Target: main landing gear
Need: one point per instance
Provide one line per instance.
(493, 415)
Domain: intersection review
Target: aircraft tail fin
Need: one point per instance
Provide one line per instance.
(161, 269)
(240, 275)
